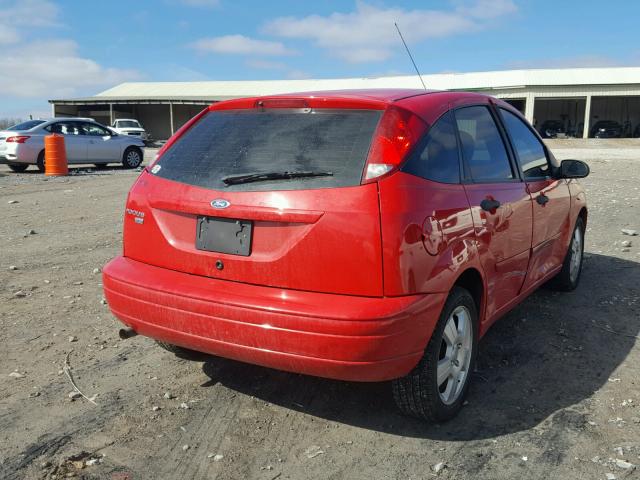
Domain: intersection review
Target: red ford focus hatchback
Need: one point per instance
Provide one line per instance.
(356, 235)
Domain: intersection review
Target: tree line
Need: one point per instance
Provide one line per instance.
(9, 122)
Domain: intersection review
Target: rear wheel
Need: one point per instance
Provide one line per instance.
(181, 352)
(40, 161)
(132, 157)
(18, 167)
(435, 389)
(569, 277)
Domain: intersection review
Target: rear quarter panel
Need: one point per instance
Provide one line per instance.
(409, 207)
(578, 203)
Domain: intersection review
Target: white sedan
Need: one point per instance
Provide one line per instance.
(86, 141)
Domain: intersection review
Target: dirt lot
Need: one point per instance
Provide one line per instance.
(556, 394)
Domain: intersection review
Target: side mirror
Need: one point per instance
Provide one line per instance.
(573, 169)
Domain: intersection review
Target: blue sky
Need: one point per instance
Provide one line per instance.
(67, 48)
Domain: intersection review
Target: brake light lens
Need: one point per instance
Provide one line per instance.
(18, 139)
(282, 103)
(397, 133)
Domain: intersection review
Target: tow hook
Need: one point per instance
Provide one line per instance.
(125, 333)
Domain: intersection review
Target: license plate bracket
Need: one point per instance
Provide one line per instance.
(224, 235)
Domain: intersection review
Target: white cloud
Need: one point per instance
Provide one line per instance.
(265, 64)
(298, 74)
(41, 69)
(31, 13)
(240, 45)
(53, 68)
(17, 16)
(488, 8)
(8, 35)
(200, 3)
(368, 33)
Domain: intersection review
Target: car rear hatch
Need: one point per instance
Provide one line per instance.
(266, 192)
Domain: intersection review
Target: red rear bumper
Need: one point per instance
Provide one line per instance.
(334, 336)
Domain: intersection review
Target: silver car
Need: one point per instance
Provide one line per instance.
(86, 141)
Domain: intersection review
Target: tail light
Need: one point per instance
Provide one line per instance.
(398, 131)
(18, 139)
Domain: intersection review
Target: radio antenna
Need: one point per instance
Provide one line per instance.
(410, 56)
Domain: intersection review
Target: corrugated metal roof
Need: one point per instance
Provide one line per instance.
(496, 80)
(443, 81)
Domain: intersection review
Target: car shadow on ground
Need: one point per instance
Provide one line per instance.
(552, 352)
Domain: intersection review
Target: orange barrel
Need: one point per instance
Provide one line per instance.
(55, 156)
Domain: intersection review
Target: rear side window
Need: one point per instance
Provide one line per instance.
(94, 130)
(246, 142)
(437, 159)
(65, 128)
(28, 125)
(482, 147)
(530, 152)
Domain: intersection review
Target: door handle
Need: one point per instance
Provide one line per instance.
(489, 204)
(542, 199)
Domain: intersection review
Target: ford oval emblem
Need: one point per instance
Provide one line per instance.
(220, 203)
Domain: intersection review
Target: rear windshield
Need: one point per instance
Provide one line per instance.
(245, 142)
(127, 124)
(28, 125)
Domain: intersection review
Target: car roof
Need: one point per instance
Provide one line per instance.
(126, 120)
(72, 119)
(364, 98)
(381, 94)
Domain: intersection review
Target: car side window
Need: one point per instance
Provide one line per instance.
(438, 158)
(531, 154)
(64, 128)
(95, 130)
(483, 149)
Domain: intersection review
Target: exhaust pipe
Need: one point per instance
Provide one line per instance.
(125, 333)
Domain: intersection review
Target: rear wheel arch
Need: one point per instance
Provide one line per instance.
(40, 160)
(472, 281)
(583, 214)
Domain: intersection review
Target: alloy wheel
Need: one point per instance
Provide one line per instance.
(455, 355)
(576, 255)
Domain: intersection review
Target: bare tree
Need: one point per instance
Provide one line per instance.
(9, 122)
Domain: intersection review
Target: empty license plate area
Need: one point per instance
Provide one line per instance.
(224, 235)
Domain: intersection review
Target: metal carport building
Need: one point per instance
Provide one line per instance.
(577, 97)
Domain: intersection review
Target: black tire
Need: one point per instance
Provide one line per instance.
(182, 352)
(132, 157)
(18, 167)
(418, 394)
(568, 278)
(40, 161)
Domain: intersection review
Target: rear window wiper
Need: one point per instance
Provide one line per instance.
(261, 177)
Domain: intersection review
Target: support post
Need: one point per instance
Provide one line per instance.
(529, 108)
(53, 110)
(587, 117)
(171, 117)
(110, 114)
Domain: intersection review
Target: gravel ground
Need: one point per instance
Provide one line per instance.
(556, 394)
